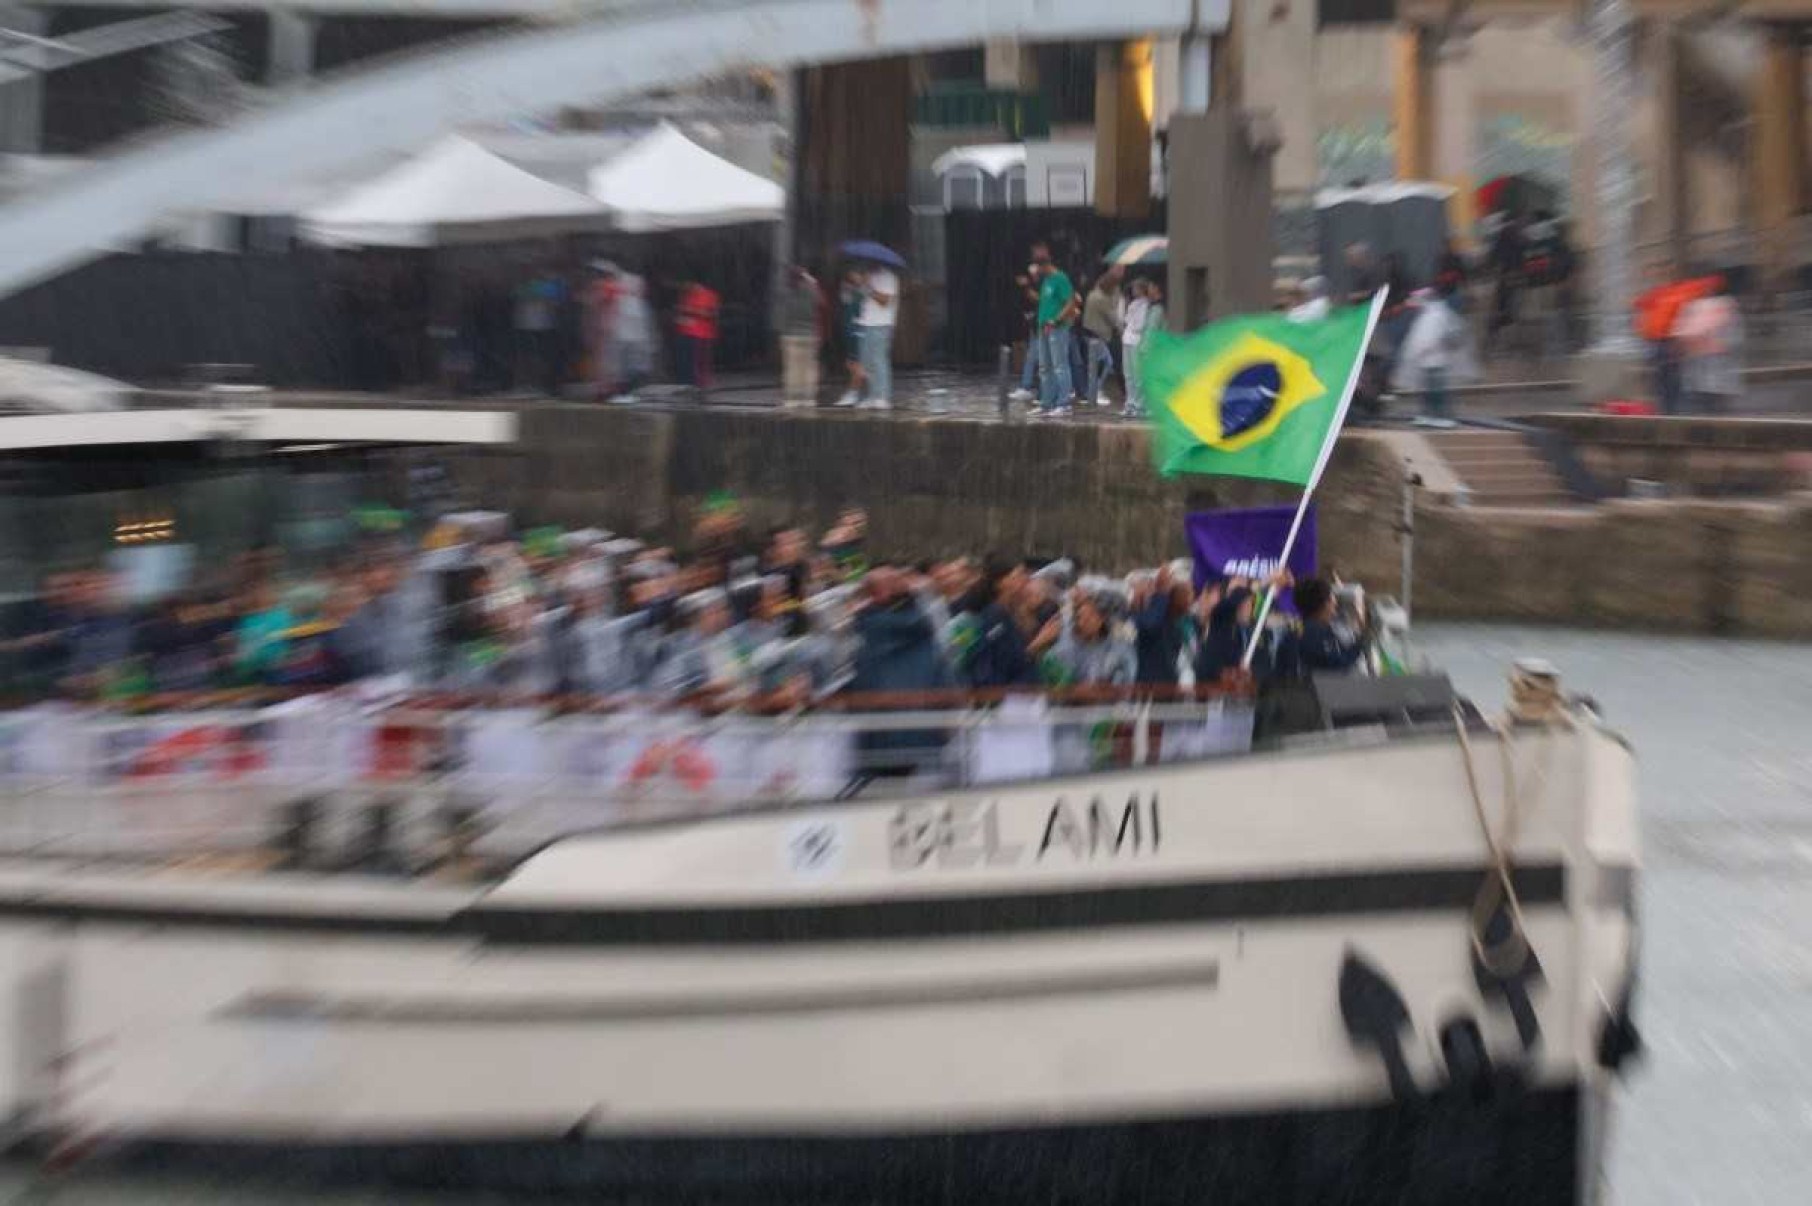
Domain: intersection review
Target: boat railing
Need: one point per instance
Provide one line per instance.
(412, 777)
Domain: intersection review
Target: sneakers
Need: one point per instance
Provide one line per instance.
(875, 404)
(1132, 412)
(848, 399)
(624, 400)
(1059, 412)
(1104, 401)
(1020, 395)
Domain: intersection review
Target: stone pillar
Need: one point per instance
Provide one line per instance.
(1123, 128)
(1195, 74)
(852, 156)
(1412, 115)
(1671, 206)
(1454, 151)
(1277, 47)
(292, 48)
(1778, 147)
(22, 101)
(1220, 217)
(1611, 367)
(1220, 200)
(786, 151)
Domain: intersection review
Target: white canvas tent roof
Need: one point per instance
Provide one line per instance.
(665, 181)
(454, 192)
(994, 158)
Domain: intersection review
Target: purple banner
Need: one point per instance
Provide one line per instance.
(1245, 544)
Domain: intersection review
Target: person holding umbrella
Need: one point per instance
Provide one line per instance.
(875, 321)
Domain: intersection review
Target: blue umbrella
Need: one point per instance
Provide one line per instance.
(874, 253)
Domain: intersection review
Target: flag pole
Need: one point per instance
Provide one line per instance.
(1321, 463)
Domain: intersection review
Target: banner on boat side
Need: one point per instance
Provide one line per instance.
(506, 755)
(1246, 544)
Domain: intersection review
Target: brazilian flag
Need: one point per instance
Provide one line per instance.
(1252, 396)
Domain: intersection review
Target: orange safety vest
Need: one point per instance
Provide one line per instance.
(1659, 309)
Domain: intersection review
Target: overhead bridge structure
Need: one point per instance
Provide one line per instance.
(569, 53)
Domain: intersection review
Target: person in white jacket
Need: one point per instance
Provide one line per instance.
(1436, 354)
(1133, 322)
(634, 347)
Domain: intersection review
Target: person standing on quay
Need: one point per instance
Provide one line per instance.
(1100, 323)
(874, 335)
(695, 325)
(1056, 311)
(801, 323)
(849, 331)
(601, 327)
(1138, 318)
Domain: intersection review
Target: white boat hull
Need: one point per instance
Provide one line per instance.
(1143, 966)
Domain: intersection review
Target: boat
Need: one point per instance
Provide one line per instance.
(1383, 956)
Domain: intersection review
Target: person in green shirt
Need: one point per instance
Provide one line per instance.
(1056, 312)
(262, 639)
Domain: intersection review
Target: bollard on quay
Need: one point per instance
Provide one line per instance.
(1004, 372)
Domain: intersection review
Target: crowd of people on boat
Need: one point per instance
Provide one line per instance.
(784, 616)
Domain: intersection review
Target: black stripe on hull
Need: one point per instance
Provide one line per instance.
(1298, 897)
(1520, 1149)
(1077, 907)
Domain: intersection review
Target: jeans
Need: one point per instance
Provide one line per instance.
(875, 345)
(538, 361)
(1434, 393)
(1100, 366)
(1135, 396)
(1665, 356)
(1028, 374)
(1054, 368)
(694, 361)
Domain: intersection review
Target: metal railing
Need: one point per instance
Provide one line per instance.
(324, 781)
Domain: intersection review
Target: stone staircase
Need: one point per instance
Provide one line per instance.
(1502, 469)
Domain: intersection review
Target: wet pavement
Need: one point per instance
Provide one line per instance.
(1720, 1111)
(975, 394)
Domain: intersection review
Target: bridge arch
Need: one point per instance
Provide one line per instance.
(618, 49)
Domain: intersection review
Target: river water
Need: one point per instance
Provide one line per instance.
(1720, 1111)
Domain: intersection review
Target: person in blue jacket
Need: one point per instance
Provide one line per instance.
(1160, 613)
(1010, 637)
(1322, 646)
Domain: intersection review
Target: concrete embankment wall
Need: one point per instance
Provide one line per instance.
(1702, 456)
(937, 486)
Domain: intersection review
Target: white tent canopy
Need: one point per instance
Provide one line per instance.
(994, 158)
(665, 181)
(454, 192)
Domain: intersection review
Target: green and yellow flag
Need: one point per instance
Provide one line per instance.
(1253, 396)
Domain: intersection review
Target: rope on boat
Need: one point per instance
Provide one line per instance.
(1535, 699)
(1499, 888)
